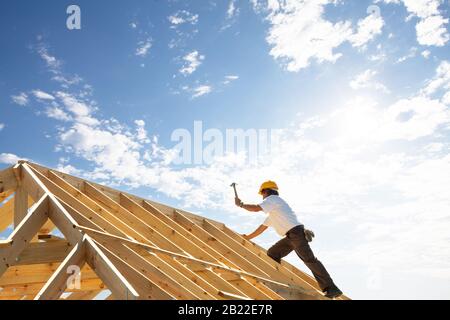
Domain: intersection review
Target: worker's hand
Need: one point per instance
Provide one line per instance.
(238, 202)
(309, 235)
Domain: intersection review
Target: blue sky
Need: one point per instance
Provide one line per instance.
(359, 92)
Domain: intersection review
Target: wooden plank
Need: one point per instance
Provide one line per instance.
(6, 214)
(185, 242)
(80, 207)
(160, 271)
(246, 254)
(144, 277)
(20, 205)
(37, 273)
(221, 247)
(64, 222)
(115, 194)
(32, 289)
(140, 220)
(57, 213)
(169, 230)
(293, 273)
(127, 223)
(104, 268)
(57, 283)
(43, 252)
(20, 197)
(23, 234)
(8, 180)
(6, 194)
(193, 261)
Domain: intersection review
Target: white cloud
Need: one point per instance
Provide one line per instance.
(201, 91)
(300, 33)
(57, 113)
(192, 61)
(81, 110)
(431, 28)
(52, 62)
(2, 126)
(182, 17)
(432, 31)
(368, 29)
(411, 54)
(230, 78)
(41, 95)
(8, 158)
(142, 134)
(440, 81)
(232, 10)
(426, 54)
(143, 48)
(20, 99)
(365, 80)
(75, 106)
(413, 118)
(67, 81)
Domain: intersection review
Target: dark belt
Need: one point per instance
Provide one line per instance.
(299, 228)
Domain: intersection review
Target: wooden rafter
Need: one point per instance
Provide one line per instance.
(136, 248)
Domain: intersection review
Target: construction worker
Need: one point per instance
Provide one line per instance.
(283, 219)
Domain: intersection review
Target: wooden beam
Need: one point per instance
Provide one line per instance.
(159, 272)
(6, 194)
(7, 180)
(57, 283)
(43, 252)
(218, 245)
(245, 253)
(64, 195)
(24, 232)
(20, 197)
(191, 260)
(32, 289)
(57, 213)
(64, 222)
(144, 277)
(106, 270)
(7, 214)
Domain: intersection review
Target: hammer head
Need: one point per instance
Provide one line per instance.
(233, 184)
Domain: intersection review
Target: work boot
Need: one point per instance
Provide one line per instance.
(333, 292)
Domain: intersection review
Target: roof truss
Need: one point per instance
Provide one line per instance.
(135, 248)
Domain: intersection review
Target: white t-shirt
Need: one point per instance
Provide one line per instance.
(280, 215)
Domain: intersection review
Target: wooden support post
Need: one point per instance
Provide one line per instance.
(106, 270)
(20, 197)
(24, 232)
(57, 283)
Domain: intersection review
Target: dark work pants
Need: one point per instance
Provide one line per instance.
(295, 240)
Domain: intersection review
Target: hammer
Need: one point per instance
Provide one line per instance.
(234, 187)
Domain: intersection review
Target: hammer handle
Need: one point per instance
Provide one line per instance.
(235, 192)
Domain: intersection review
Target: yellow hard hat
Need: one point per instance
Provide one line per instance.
(268, 185)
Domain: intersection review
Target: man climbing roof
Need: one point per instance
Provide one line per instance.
(282, 218)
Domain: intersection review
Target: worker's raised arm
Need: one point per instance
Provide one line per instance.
(255, 233)
(248, 207)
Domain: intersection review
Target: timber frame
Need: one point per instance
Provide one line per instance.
(135, 248)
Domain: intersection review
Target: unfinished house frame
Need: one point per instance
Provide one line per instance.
(125, 247)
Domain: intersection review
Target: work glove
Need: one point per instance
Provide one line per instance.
(238, 202)
(309, 235)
